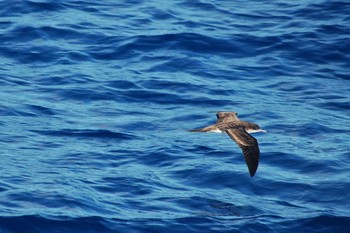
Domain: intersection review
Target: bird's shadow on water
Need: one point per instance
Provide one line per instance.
(215, 208)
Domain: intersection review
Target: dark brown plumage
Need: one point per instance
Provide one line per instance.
(229, 123)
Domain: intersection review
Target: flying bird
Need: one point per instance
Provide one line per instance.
(239, 131)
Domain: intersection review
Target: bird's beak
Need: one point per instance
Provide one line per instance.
(263, 131)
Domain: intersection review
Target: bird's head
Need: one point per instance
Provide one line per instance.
(225, 114)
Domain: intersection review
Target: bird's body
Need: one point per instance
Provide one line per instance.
(228, 122)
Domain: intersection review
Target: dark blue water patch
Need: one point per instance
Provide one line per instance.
(4, 187)
(53, 82)
(306, 129)
(178, 86)
(40, 110)
(125, 186)
(203, 150)
(160, 14)
(340, 106)
(342, 75)
(321, 223)
(301, 164)
(184, 41)
(287, 86)
(206, 175)
(188, 118)
(201, 224)
(57, 33)
(124, 95)
(122, 84)
(293, 190)
(339, 31)
(203, 44)
(215, 208)
(65, 35)
(164, 158)
(44, 6)
(5, 24)
(14, 81)
(163, 97)
(81, 6)
(121, 49)
(323, 10)
(35, 54)
(21, 34)
(25, 7)
(6, 111)
(332, 74)
(18, 48)
(200, 5)
(37, 224)
(80, 161)
(29, 110)
(102, 134)
(335, 193)
(48, 199)
(140, 126)
(34, 223)
(173, 65)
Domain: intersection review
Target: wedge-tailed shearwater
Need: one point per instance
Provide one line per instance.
(228, 122)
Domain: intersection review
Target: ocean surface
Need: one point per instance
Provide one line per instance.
(96, 98)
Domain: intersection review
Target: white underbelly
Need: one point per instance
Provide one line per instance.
(217, 131)
(256, 131)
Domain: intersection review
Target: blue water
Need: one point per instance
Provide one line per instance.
(96, 98)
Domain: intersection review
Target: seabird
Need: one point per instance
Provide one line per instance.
(228, 122)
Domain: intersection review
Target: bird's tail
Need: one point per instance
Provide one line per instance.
(205, 129)
(198, 130)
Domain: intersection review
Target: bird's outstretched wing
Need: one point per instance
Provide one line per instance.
(249, 146)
